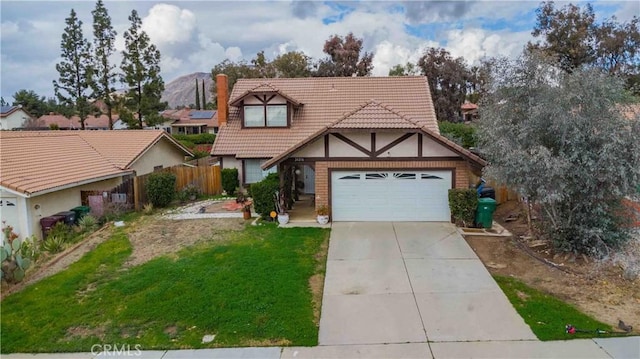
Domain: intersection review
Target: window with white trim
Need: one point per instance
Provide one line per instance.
(265, 116)
(253, 172)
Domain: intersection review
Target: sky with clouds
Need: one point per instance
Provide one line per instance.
(196, 35)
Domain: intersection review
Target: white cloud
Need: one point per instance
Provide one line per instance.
(233, 53)
(170, 64)
(387, 55)
(169, 24)
(474, 44)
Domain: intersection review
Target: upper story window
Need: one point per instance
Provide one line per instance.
(265, 115)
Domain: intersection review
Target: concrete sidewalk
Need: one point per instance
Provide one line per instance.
(607, 348)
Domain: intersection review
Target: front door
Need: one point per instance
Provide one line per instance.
(309, 180)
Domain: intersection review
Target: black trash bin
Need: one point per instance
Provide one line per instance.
(81, 211)
(69, 217)
(48, 222)
(487, 192)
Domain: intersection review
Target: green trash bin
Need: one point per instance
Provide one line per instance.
(81, 211)
(484, 213)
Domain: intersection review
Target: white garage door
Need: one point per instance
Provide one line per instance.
(9, 213)
(390, 195)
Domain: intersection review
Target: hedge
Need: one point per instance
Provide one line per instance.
(263, 193)
(461, 133)
(200, 139)
(161, 188)
(463, 204)
(230, 180)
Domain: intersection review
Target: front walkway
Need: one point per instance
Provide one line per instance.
(411, 282)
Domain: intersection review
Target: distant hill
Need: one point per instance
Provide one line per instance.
(182, 91)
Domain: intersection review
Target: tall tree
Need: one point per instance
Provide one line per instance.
(197, 95)
(141, 72)
(262, 67)
(562, 140)
(569, 33)
(448, 81)
(204, 97)
(75, 69)
(3, 102)
(408, 69)
(574, 38)
(104, 76)
(344, 58)
(292, 64)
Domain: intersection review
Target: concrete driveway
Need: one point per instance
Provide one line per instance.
(410, 282)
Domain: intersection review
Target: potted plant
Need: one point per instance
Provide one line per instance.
(323, 214)
(246, 210)
(283, 217)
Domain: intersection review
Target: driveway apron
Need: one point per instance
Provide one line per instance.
(410, 282)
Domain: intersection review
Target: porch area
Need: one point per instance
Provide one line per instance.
(303, 213)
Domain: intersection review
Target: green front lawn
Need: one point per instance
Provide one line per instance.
(250, 290)
(546, 315)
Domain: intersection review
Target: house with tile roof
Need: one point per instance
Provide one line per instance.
(43, 172)
(367, 147)
(61, 122)
(13, 117)
(187, 121)
(469, 111)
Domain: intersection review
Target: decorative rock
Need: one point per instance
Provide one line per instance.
(208, 338)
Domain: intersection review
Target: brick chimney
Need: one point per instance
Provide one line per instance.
(222, 89)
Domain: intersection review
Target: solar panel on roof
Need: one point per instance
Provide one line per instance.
(5, 109)
(200, 115)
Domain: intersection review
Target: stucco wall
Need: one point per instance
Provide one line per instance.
(431, 148)
(278, 100)
(163, 154)
(314, 149)
(64, 200)
(339, 148)
(14, 120)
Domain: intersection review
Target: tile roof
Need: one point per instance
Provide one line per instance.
(123, 147)
(469, 106)
(325, 100)
(35, 161)
(39, 161)
(374, 115)
(100, 122)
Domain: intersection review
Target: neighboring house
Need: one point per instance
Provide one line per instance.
(190, 122)
(91, 122)
(43, 172)
(13, 117)
(369, 147)
(469, 112)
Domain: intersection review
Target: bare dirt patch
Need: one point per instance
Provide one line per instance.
(156, 236)
(85, 332)
(594, 287)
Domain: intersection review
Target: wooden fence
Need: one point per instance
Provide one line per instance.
(503, 193)
(206, 178)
